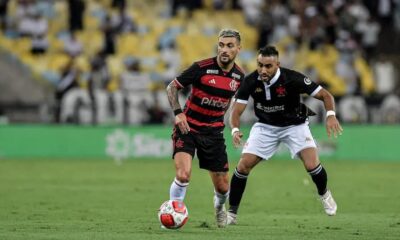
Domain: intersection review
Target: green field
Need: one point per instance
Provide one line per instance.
(96, 199)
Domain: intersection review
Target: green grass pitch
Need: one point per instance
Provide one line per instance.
(97, 199)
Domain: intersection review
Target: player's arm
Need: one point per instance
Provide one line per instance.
(234, 120)
(173, 98)
(230, 107)
(332, 124)
(239, 105)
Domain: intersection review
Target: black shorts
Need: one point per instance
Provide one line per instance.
(210, 149)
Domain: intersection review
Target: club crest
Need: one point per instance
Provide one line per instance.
(234, 85)
(281, 91)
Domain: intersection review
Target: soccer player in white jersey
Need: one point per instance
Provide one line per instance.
(282, 118)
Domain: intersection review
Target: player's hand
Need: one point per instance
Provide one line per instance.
(181, 122)
(237, 139)
(333, 126)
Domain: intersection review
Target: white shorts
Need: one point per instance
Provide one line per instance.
(264, 139)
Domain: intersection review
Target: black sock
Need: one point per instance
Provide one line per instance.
(238, 184)
(320, 178)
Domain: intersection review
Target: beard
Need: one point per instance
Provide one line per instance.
(225, 60)
(265, 78)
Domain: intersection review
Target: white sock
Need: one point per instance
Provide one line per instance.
(220, 199)
(177, 190)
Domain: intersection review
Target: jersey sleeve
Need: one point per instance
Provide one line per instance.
(243, 94)
(304, 84)
(188, 76)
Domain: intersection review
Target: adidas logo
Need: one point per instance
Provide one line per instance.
(212, 81)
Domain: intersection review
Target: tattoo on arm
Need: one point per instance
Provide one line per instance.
(172, 93)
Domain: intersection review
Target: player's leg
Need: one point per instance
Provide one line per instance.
(221, 193)
(301, 143)
(311, 163)
(238, 183)
(183, 153)
(183, 169)
(318, 174)
(211, 151)
(221, 187)
(261, 144)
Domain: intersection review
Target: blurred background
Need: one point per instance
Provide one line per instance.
(108, 61)
(82, 83)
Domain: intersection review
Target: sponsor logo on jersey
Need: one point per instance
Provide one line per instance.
(213, 102)
(307, 81)
(234, 85)
(258, 90)
(281, 91)
(236, 76)
(271, 109)
(212, 71)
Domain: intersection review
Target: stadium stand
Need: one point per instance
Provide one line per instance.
(328, 41)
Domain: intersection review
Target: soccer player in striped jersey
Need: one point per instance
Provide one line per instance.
(199, 126)
(282, 118)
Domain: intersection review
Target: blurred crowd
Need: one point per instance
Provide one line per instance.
(108, 61)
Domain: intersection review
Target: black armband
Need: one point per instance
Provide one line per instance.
(177, 111)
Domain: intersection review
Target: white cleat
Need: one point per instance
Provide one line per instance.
(231, 219)
(220, 216)
(329, 203)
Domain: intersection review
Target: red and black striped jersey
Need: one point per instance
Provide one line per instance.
(212, 90)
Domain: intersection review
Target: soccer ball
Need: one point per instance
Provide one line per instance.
(173, 214)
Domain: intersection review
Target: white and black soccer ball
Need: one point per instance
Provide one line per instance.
(173, 214)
